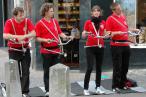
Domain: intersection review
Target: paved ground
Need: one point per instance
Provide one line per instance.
(119, 95)
(36, 76)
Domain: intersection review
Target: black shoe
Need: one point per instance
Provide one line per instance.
(117, 90)
(26, 95)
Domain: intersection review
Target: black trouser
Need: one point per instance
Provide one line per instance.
(24, 60)
(48, 61)
(120, 58)
(91, 54)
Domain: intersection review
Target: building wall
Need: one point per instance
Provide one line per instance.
(6, 7)
(1, 24)
(10, 6)
(85, 9)
(105, 6)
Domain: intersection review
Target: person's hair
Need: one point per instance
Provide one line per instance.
(98, 8)
(114, 5)
(44, 8)
(16, 10)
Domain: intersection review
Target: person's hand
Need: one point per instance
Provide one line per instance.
(50, 40)
(85, 34)
(20, 38)
(136, 30)
(69, 37)
(108, 35)
(117, 33)
(120, 32)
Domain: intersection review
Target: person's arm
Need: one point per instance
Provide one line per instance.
(113, 33)
(134, 30)
(31, 29)
(39, 39)
(109, 27)
(30, 35)
(107, 34)
(8, 36)
(86, 30)
(84, 34)
(8, 31)
(62, 35)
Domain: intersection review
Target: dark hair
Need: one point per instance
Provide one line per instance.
(98, 8)
(16, 10)
(114, 5)
(44, 8)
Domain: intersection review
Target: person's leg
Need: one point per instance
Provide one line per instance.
(47, 63)
(125, 65)
(18, 56)
(116, 58)
(56, 59)
(25, 66)
(90, 63)
(99, 53)
(99, 60)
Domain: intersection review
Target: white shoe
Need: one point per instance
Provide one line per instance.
(47, 94)
(125, 88)
(117, 90)
(26, 95)
(86, 92)
(99, 90)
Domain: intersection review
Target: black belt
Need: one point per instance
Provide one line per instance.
(52, 47)
(119, 40)
(20, 48)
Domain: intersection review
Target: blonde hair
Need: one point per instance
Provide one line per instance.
(98, 8)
